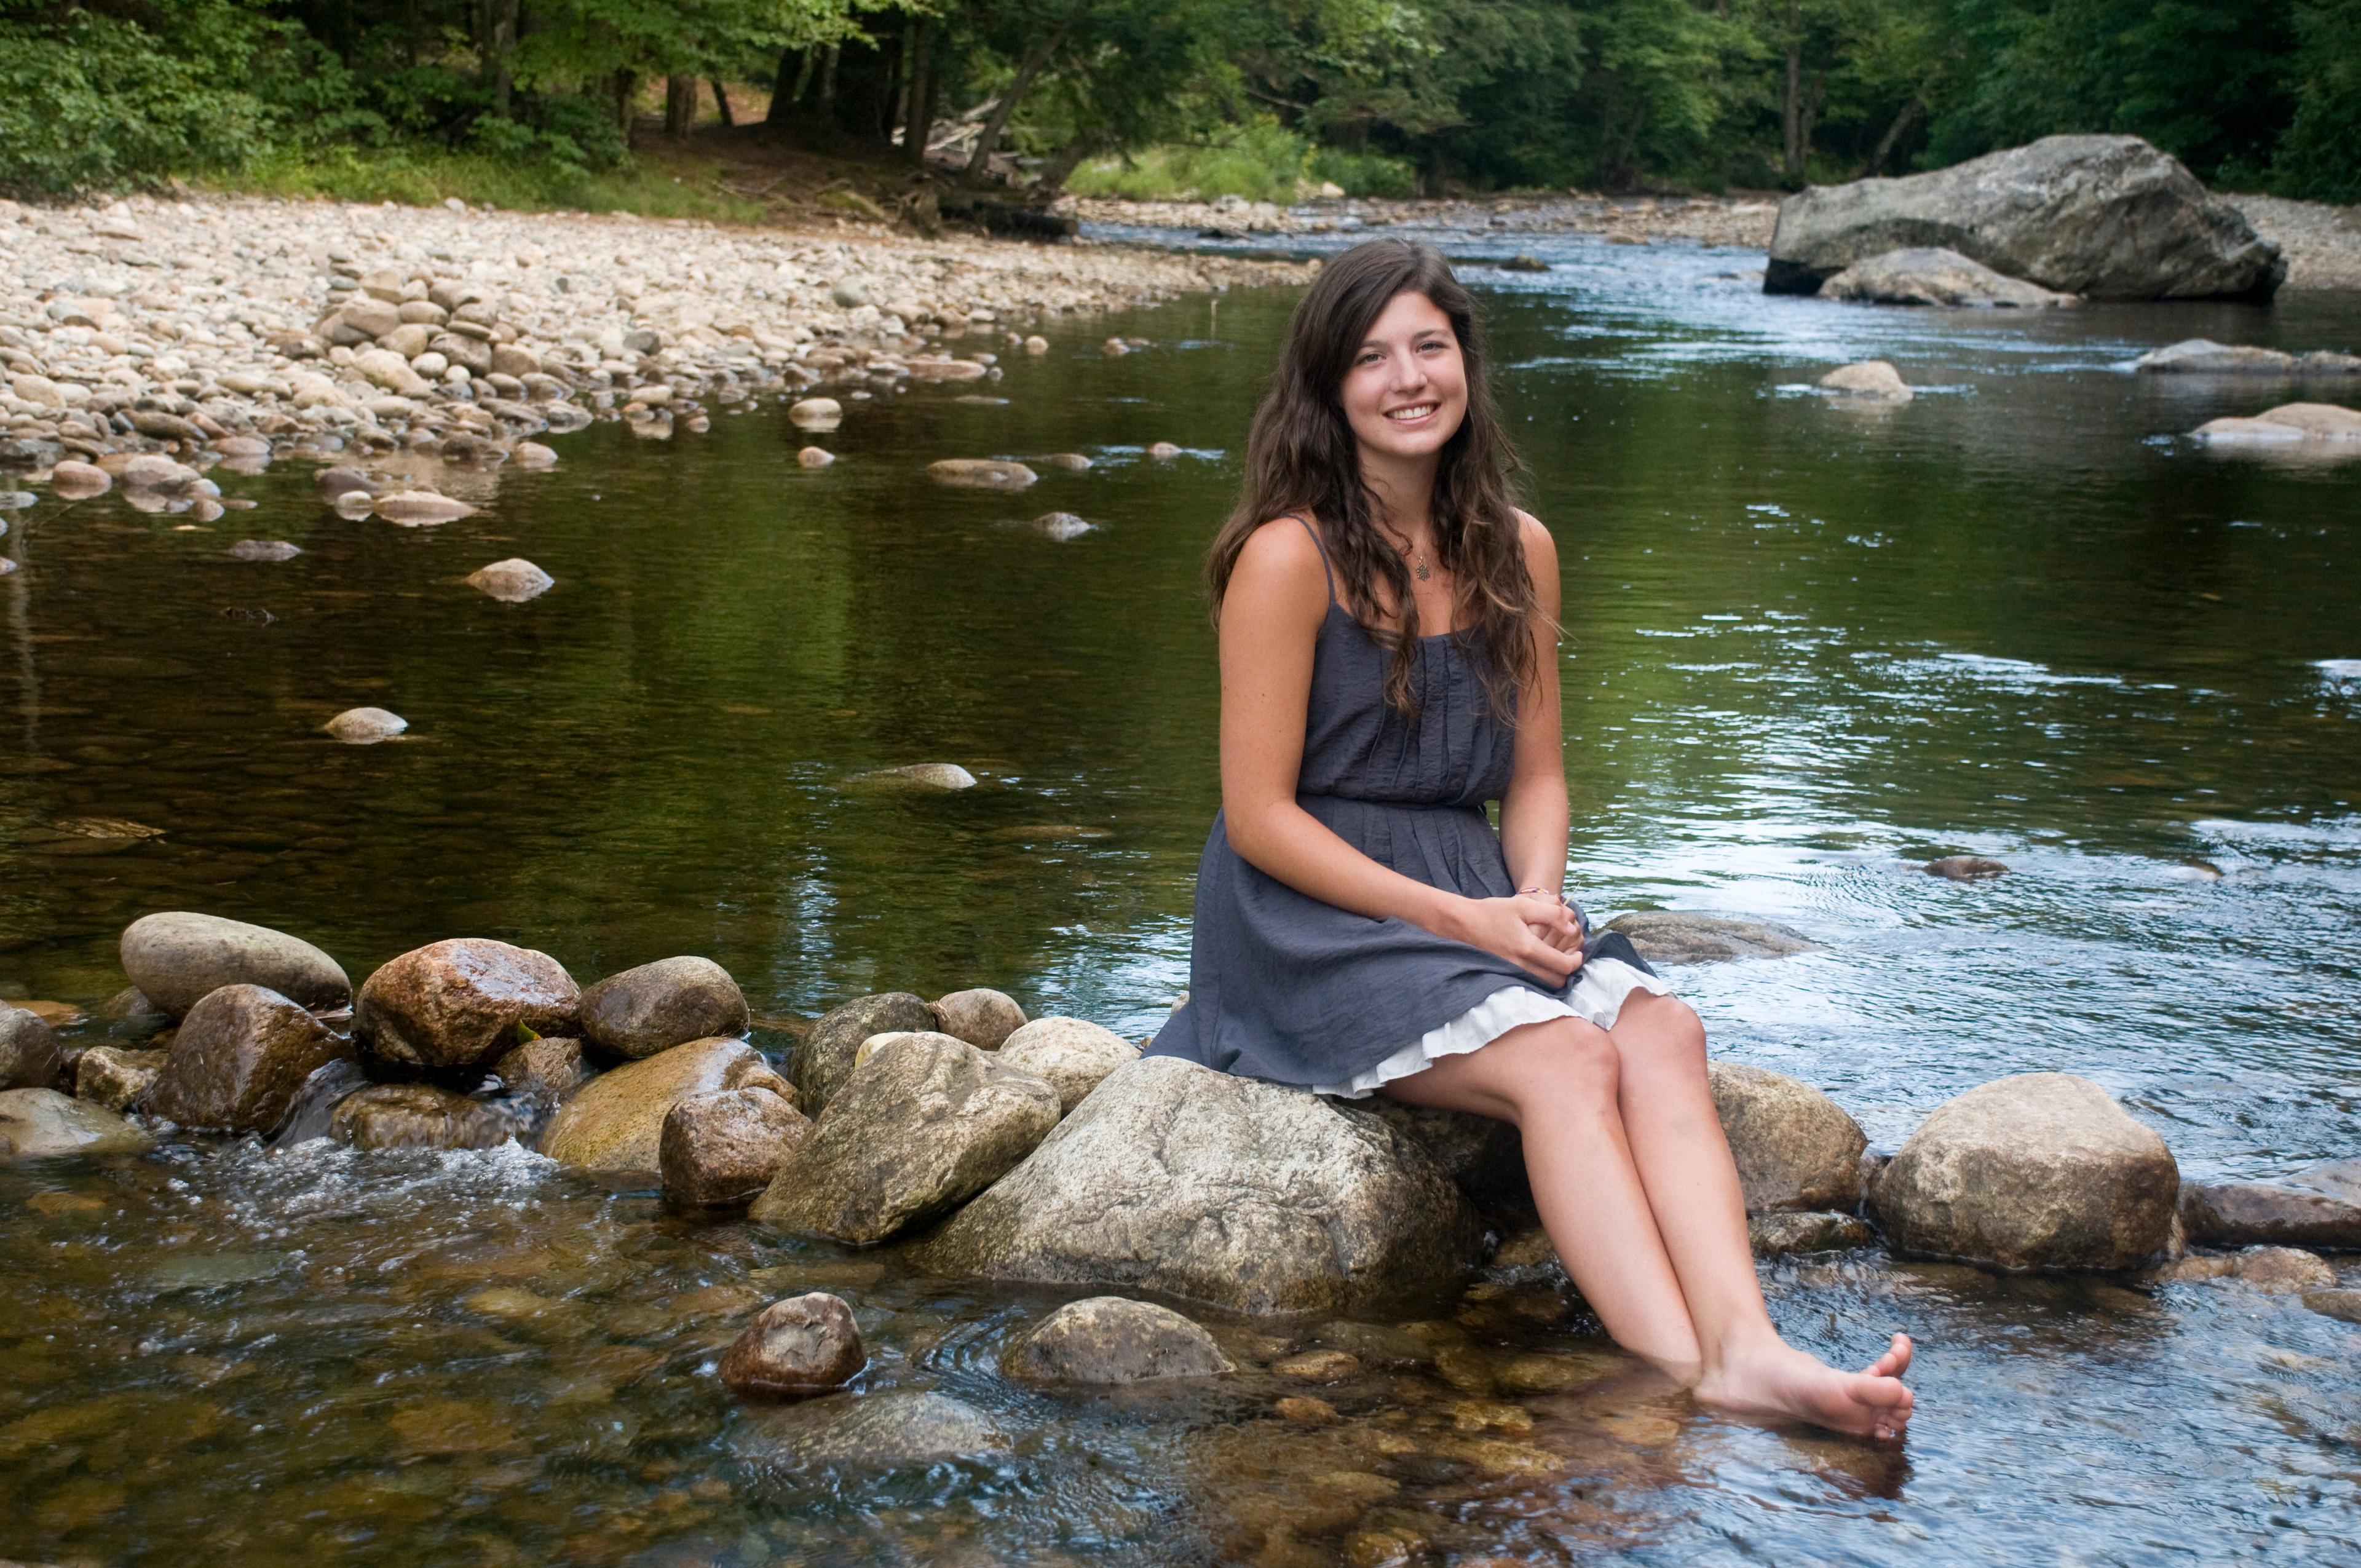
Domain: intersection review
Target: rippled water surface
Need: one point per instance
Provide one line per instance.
(1810, 647)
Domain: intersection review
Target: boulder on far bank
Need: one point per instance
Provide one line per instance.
(2108, 217)
(179, 957)
(1930, 275)
(661, 1004)
(921, 1127)
(1113, 1339)
(241, 1054)
(459, 1002)
(2042, 1170)
(41, 1123)
(1174, 1179)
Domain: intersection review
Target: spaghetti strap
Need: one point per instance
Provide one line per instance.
(1316, 544)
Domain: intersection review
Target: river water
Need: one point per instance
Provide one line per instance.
(1810, 647)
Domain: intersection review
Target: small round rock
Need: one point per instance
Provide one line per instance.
(1163, 451)
(980, 1015)
(1966, 868)
(796, 1348)
(1112, 1338)
(815, 457)
(366, 726)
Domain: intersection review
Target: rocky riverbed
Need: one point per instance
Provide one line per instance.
(203, 319)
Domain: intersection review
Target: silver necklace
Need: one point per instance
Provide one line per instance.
(1417, 559)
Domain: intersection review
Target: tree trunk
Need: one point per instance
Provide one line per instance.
(721, 102)
(499, 49)
(1060, 168)
(787, 85)
(627, 85)
(987, 141)
(1902, 120)
(680, 106)
(827, 84)
(918, 109)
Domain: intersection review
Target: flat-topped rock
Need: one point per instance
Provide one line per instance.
(2319, 1206)
(1681, 937)
(1930, 275)
(177, 957)
(41, 1123)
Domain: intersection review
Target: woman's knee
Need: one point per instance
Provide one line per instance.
(1659, 1034)
(1567, 1060)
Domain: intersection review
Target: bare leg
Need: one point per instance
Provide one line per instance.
(1683, 1162)
(1637, 1189)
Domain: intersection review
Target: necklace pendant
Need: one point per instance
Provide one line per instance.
(1423, 573)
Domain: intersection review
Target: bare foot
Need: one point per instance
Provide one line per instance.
(1778, 1380)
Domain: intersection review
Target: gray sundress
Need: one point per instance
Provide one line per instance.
(1285, 987)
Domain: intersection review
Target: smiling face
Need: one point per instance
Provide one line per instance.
(1406, 389)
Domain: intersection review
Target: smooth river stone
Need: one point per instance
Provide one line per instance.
(176, 956)
(656, 1006)
(1679, 936)
(825, 1057)
(1796, 1148)
(981, 474)
(459, 1003)
(1871, 381)
(1069, 1054)
(511, 581)
(31, 1056)
(615, 1123)
(366, 726)
(239, 1059)
(41, 1123)
(1113, 1339)
(982, 1016)
(722, 1148)
(796, 1348)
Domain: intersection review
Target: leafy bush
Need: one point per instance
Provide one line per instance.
(1364, 173)
(1261, 161)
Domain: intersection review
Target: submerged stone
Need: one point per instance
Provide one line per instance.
(1113, 1339)
(41, 1123)
(796, 1348)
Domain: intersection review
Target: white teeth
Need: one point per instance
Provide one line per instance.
(1421, 411)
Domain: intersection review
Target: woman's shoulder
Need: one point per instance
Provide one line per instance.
(1541, 545)
(1286, 549)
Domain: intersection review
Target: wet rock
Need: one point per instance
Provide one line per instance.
(1070, 1055)
(1776, 1236)
(1966, 868)
(916, 1131)
(1036, 344)
(543, 1072)
(825, 1058)
(2317, 1207)
(1175, 1178)
(615, 1123)
(1060, 526)
(416, 1116)
(241, 1054)
(917, 775)
(1678, 937)
(816, 413)
(1163, 451)
(1485, 1156)
(31, 1056)
(937, 370)
(2322, 427)
(1112, 1338)
(532, 454)
(76, 481)
(1524, 262)
(511, 581)
(2284, 1270)
(2203, 356)
(1933, 276)
(117, 1076)
(722, 1148)
(661, 1004)
(885, 1432)
(796, 1348)
(2040, 1170)
(179, 957)
(2107, 217)
(1871, 381)
(1073, 462)
(1796, 1148)
(459, 1003)
(1323, 1365)
(981, 474)
(2344, 1305)
(41, 1123)
(981, 1016)
(420, 508)
(815, 457)
(339, 481)
(263, 550)
(366, 726)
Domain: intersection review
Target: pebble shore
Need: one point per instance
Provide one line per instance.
(197, 319)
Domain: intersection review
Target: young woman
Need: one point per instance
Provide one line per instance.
(1361, 928)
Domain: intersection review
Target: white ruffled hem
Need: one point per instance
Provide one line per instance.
(1597, 998)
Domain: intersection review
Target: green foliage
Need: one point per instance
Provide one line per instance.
(1363, 173)
(1258, 160)
(2321, 154)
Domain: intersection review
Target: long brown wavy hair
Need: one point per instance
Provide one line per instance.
(1301, 457)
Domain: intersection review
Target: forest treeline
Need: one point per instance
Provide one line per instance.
(1379, 96)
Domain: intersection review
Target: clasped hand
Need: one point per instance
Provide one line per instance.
(1535, 931)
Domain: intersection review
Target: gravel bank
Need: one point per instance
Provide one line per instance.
(160, 325)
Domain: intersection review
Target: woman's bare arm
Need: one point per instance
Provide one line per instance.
(1270, 618)
(1533, 810)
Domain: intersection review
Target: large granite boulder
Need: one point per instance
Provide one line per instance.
(1929, 275)
(41, 1123)
(2043, 1170)
(657, 1006)
(614, 1124)
(416, 1116)
(1484, 1156)
(177, 957)
(2108, 217)
(457, 1003)
(1796, 1148)
(2319, 1206)
(31, 1056)
(824, 1059)
(1174, 1179)
(1112, 1338)
(722, 1148)
(238, 1060)
(925, 1125)
(1071, 1054)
